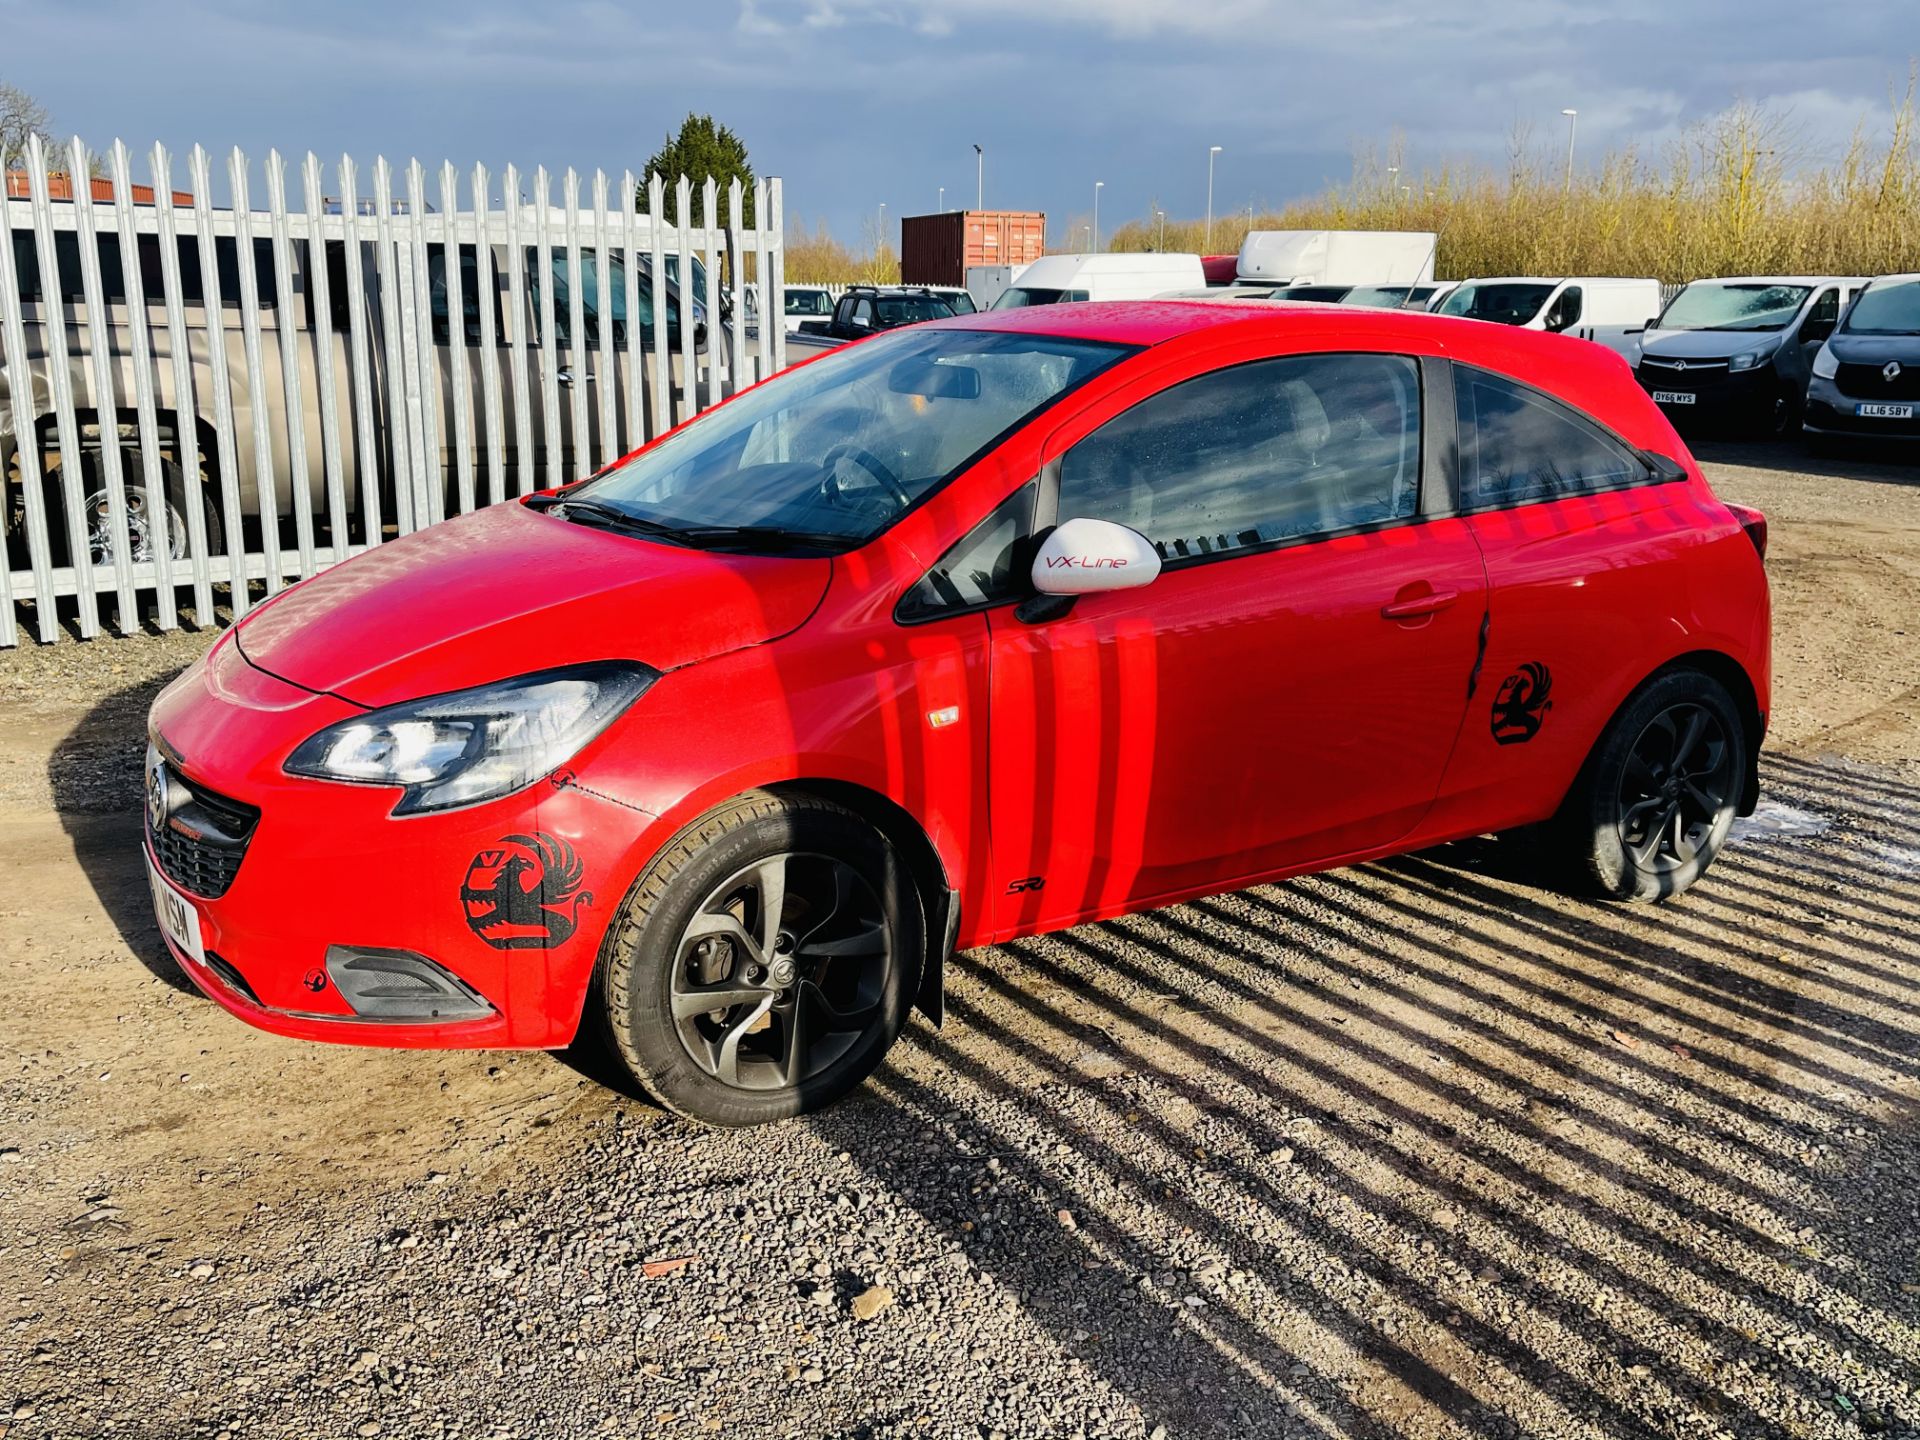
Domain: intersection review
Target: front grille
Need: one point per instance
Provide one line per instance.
(1869, 382)
(1684, 367)
(203, 839)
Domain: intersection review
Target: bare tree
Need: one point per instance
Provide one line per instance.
(20, 116)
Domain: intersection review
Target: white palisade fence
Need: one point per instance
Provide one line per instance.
(202, 403)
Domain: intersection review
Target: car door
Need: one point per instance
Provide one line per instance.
(1288, 688)
(1795, 359)
(1584, 582)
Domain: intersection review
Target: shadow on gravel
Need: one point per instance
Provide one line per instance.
(1417, 1150)
(95, 776)
(1882, 463)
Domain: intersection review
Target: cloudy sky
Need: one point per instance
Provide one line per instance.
(859, 103)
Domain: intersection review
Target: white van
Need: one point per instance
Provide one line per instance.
(987, 283)
(1053, 279)
(1337, 257)
(1605, 309)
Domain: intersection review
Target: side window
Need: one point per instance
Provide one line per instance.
(1274, 450)
(66, 249)
(226, 259)
(1821, 317)
(1566, 310)
(1518, 445)
(983, 568)
(557, 273)
(470, 293)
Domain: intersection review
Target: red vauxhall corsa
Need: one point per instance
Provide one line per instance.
(981, 628)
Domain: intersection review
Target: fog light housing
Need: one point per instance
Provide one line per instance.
(400, 985)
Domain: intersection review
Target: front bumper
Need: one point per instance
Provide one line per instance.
(1830, 411)
(1721, 397)
(511, 898)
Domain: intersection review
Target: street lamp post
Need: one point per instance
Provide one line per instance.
(941, 203)
(1161, 216)
(1211, 152)
(880, 233)
(979, 178)
(1097, 186)
(1573, 120)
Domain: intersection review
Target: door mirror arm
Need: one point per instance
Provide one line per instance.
(1041, 609)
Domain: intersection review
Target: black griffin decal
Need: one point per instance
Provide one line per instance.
(524, 893)
(1520, 708)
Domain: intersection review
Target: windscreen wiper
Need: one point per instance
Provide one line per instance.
(609, 517)
(760, 537)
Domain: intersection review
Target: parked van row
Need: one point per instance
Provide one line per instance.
(1835, 357)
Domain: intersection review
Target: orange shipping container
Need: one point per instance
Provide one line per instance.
(937, 249)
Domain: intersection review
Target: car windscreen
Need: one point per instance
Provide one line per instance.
(1019, 297)
(1756, 306)
(909, 309)
(809, 302)
(1318, 294)
(833, 452)
(960, 300)
(1506, 303)
(1886, 310)
(1390, 297)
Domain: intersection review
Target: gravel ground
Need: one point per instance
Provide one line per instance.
(1415, 1150)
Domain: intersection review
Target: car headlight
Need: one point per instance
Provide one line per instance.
(1747, 360)
(1826, 364)
(474, 745)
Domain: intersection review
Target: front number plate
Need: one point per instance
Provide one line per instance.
(1673, 397)
(1884, 412)
(179, 918)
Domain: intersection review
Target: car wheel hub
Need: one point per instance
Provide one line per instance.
(781, 971)
(140, 548)
(1674, 787)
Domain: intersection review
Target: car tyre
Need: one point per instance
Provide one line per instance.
(800, 925)
(92, 489)
(1658, 796)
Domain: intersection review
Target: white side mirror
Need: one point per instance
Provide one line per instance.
(1085, 557)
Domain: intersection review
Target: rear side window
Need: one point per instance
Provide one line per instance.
(471, 292)
(983, 568)
(113, 282)
(1275, 450)
(1517, 445)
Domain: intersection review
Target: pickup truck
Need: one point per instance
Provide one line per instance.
(867, 310)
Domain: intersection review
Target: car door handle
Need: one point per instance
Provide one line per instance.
(1414, 606)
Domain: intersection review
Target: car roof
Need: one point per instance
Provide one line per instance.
(1557, 280)
(1153, 322)
(1588, 375)
(1778, 280)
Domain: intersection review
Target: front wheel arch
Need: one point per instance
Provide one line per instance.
(939, 901)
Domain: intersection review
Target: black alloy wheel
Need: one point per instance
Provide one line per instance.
(1658, 795)
(782, 969)
(764, 962)
(1675, 785)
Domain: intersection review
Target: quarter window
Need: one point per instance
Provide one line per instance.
(983, 568)
(1270, 451)
(1517, 445)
